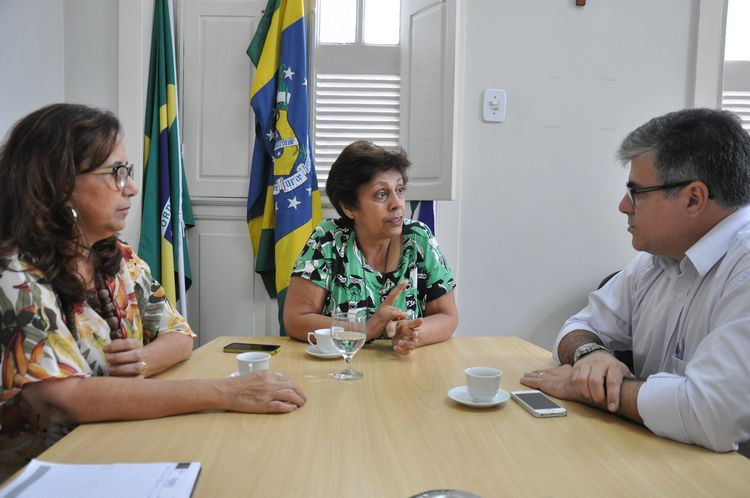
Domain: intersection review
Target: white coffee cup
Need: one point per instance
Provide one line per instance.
(323, 340)
(252, 362)
(482, 383)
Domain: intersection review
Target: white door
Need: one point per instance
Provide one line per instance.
(227, 297)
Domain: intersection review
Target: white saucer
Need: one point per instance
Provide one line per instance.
(461, 395)
(314, 351)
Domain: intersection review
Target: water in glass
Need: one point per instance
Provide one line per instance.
(349, 332)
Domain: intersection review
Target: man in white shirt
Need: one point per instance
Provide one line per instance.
(683, 304)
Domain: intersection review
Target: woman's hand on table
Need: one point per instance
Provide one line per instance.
(263, 392)
(387, 312)
(126, 358)
(404, 334)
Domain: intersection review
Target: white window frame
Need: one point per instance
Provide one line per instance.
(433, 144)
(351, 100)
(709, 63)
(735, 95)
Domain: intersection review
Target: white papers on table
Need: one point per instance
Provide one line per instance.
(151, 480)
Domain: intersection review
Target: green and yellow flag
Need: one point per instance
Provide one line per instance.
(283, 203)
(166, 203)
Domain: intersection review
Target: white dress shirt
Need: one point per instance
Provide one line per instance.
(688, 325)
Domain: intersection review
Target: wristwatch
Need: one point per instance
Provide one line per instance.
(585, 349)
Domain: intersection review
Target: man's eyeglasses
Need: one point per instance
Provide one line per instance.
(630, 191)
(120, 171)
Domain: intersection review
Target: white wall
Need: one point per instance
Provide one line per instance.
(91, 53)
(53, 51)
(537, 209)
(31, 57)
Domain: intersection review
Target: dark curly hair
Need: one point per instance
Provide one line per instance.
(357, 164)
(39, 161)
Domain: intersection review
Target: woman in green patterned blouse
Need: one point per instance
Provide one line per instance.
(372, 258)
(82, 322)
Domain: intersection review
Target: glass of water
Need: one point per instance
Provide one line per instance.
(349, 332)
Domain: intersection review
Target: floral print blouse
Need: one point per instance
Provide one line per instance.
(333, 260)
(36, 344)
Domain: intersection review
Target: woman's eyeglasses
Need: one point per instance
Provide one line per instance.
(120, 171)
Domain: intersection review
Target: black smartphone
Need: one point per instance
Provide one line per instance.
(242, 347)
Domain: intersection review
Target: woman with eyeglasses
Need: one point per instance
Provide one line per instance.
(83, 325)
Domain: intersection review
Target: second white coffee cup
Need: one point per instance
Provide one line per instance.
(482, 383)
(252, 362)
(323, 341)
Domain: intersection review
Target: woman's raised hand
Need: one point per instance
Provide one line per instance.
(387, 312)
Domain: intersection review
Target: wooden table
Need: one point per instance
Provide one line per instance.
(396, 433)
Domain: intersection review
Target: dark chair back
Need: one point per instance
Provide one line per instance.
(744, 449)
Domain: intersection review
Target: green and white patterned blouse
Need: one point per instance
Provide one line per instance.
(333, 260)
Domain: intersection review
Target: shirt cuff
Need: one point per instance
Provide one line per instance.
(659, 406)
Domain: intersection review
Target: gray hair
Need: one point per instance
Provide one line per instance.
(703, 145)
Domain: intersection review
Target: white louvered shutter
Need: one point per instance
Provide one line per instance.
(382, 93)
(351, 107)
(738, 102)
(735, 96)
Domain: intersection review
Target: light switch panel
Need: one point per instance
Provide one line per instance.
(493, 105)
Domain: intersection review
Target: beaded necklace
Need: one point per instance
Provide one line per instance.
(109, 310)
(102, 301)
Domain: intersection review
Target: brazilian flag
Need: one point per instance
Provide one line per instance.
(283, 202)
(163, 214)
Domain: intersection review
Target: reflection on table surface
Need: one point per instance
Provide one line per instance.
(397, 433)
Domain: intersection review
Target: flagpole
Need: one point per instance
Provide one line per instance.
(180, 221)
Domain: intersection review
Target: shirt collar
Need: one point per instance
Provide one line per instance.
(714, 245)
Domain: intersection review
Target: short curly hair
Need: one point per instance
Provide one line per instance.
(357, 164)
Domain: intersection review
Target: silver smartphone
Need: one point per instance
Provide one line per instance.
(538, 404)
